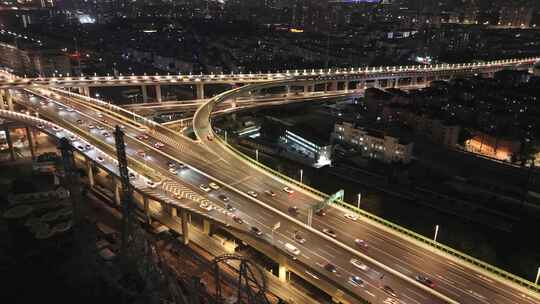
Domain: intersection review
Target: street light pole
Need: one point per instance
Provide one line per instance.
(436, 233)
(537, 276)
(359, 200)
(225, 136)
(301, 176)
(257, 155)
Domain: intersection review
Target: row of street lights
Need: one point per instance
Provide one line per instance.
(358, 204)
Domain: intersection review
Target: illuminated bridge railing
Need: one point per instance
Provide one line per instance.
(455, 253)
(381, 71)
(422, 239)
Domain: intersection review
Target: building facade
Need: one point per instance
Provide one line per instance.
(373, 144)
(307, 147)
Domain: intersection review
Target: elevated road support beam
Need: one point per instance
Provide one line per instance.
(200, 90)
(158, 93)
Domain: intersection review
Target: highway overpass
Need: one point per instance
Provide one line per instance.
(395, 255)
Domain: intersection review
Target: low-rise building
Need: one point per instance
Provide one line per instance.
(309, 147)
(374, 144)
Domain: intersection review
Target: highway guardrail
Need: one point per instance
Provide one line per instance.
(404, 231)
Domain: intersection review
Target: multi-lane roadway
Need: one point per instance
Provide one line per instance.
(458, 282)
(188, 180)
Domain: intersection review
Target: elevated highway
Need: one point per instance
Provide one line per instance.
(463, 282)
(395, 255)
(254, 211)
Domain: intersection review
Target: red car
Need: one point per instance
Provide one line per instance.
(361, 243)
(142, 137)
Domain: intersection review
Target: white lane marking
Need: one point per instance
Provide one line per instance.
(416, 293)
(332, 249)
(305, 256)
(446, 280)
(242, 180)
(449, 291)
(484, 278)
(370, 293)
(476, 295)
(326, 254)
(403, 268)
(410, 298)
(454, 264)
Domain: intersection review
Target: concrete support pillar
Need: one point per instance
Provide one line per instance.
(346, 86)
(81, 90)
(234, 103)
(144, 93)
(146, 203)
(288, 89)
(9, 99)
(10, 144)
(282, 273)
(200, 91)
(90, 173)
(362, 84)
(185, 226)
(2, 105)
(117, 197)
(306, 88)
(172, 211)
(86, 91)
(377, 83)
(158, 93)
(207, 226)
(30, 142)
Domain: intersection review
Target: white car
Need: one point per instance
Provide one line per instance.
(359, 264)
(206, 207)
(205, 188)
(213, 186)
(100, 159)
(253, 193)
(288, 190)
(292, 249)
(351, 216)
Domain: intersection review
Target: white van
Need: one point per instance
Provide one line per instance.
(291, 249)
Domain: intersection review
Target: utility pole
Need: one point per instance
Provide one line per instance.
(127, 190)
(71, 179)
